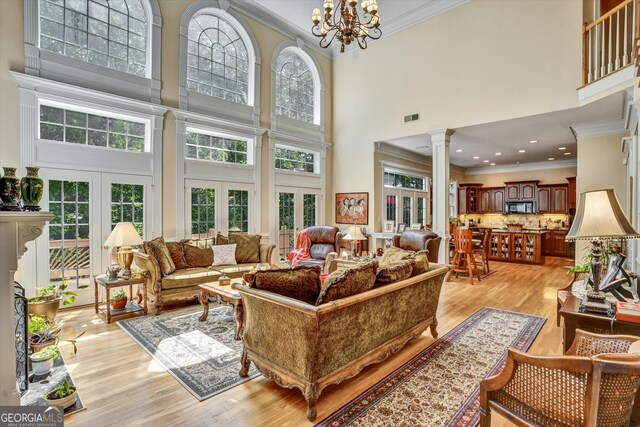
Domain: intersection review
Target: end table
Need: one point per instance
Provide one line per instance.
(132, 307)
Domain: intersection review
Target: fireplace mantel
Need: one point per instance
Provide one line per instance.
(16, 229)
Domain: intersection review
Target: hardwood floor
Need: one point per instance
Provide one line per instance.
(121, 385)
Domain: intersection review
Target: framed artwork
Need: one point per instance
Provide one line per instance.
(389, 226)
(416, 226)
(352, 208)
(402, 227)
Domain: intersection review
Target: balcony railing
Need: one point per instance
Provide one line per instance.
(609, 42)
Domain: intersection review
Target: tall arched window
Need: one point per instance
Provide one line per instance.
(217, 59)
(109, 33)
(295, 87)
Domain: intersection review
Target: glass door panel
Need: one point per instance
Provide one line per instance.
(203, 213)
(310, 210)
(297, 208)
(238, 211)
(286, 223)
(127, 205)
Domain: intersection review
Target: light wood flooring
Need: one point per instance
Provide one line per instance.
(122, 386)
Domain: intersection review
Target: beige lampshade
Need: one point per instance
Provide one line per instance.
(354, 233)
(124, 234)
(600, 217)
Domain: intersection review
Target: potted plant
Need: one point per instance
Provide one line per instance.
(42, 333)
(64, 396)
(47, 300)
(119, 300)
(42, 361)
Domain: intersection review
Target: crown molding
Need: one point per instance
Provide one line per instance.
(401, 153)
(523, 167)
(592, 130)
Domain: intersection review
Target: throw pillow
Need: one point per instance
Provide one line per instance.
(158, 249)
(389, 273)
(393, 255)
(198, 257)
(176, 251)
(224, 255)
(203, 243)
(248, 249)
(420, 262)
(249, 279)
(301, 282)
(351, 281)
(221, 239)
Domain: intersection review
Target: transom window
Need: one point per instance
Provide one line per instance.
(77, 127)
(295, 91)
(398, 180)
(109, 33)
(217, 59)
(295, 160)
(214, 148)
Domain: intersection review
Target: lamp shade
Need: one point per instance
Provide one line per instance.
(354, 233)
(600, 217)
(124, 234)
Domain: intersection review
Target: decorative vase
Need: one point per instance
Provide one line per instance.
(41, 366)
(32, 187)
(10, 190)
(48, 309)
(119, 304)
(52, 400)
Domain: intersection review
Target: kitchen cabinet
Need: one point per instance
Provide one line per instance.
(544, 199)
(560, 195)
(520, 191)
(552, 198)
(516, 247)
(555, 244)
(491, 200)
(571, 198)
(469, 198)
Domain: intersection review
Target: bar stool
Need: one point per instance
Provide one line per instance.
(482, 249)
(464, 260)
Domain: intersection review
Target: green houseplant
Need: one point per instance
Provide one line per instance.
(119, 300)
(42, 361)
(64, 396)
(42, 333)
(47, 300)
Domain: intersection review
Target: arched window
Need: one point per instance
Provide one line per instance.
(217, 59)
(296, 90)
(109, 33)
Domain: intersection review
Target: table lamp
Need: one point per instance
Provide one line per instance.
(123, 236)
(354, 234)
(599, 217)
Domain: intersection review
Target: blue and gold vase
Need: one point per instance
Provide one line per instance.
(10, 190)
(32, 187)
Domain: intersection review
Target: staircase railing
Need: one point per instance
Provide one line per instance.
(608, 43)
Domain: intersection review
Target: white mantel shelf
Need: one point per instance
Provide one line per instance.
(16, 229)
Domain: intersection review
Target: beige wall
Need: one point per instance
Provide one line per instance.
(12, 58)
(546, 176)
(481, 62)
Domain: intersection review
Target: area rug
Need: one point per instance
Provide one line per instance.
(441, 385)
(202, 356)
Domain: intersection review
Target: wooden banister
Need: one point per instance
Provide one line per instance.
(608, 14)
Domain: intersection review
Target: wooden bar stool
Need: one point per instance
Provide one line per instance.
(464, 260)
(482, 249)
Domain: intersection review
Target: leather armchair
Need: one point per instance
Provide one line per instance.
(324, 240)
(418, 240)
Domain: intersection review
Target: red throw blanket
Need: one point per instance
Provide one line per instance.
(301, 251)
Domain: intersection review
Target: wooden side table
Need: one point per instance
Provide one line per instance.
(591, 322)
(222, 294)
(132, 307)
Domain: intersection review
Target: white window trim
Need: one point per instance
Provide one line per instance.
(316, 159)
(211, 132)
(206, 104)
(279, 123)
(49, 65)
(399, 192)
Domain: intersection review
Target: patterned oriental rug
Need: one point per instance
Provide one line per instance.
(202, 356)
(441, 385)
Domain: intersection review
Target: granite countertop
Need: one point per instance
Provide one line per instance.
(528, 230)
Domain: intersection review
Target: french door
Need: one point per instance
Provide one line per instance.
(86, 206)
(407, 206)
(298, 208)
(213, 206)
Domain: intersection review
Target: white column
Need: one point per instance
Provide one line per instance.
(16, 229)
(440, 156)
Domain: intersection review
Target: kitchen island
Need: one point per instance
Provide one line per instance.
(524, 246)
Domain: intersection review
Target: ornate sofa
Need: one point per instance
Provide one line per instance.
(309, 347)
(417, 240)
(182, 284)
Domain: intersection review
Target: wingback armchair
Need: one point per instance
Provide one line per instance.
(324, 240)
(418, 240)
(594, 384)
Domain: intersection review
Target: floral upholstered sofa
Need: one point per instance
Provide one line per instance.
(177, 268)
(306, 335)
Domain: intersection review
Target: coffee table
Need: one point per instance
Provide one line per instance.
(222, 294)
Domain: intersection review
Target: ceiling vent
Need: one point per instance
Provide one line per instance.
(411, 118)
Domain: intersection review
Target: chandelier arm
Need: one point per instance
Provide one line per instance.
(362, 42)
(324, 43)
(375, 33)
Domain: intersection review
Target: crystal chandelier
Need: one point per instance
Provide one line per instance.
(347, 25)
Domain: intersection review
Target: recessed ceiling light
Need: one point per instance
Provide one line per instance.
(498, 154)
(522, 151)
(486, 161)
(476, 157)
(562, 148)
(493, 164)
(551, 158)
(533, 141)
(567, 154)
(517, 163)
(458, 151)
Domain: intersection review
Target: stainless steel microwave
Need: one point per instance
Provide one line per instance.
(521, 207)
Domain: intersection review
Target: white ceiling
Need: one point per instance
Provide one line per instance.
(551, 130)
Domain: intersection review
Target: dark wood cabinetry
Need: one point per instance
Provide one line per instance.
(544, 199)
(552, 199)
(469, 199)
(516, 247)
(555, 244)
(520, 191)
(491, 200)
(571, 199)
(560, 194)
